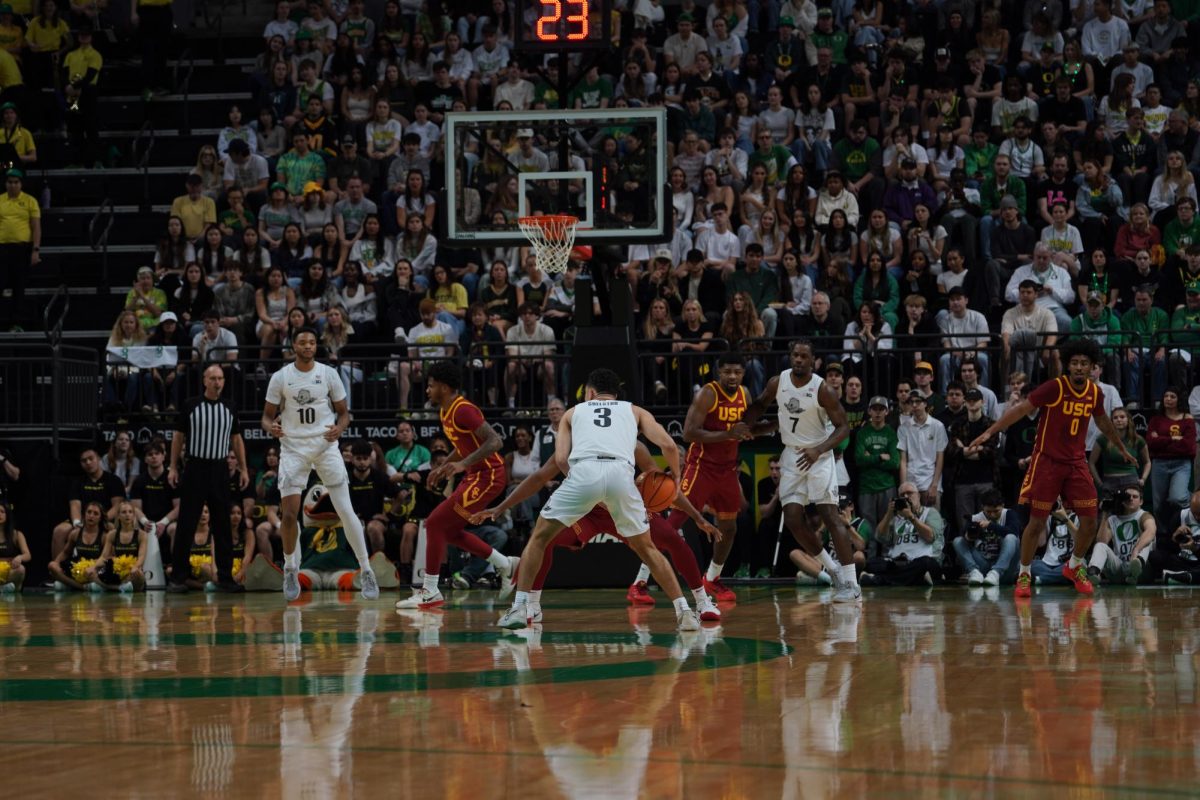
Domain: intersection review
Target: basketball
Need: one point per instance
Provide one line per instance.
(658, 490)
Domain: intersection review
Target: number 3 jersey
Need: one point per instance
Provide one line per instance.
(603, 429)
(305, 399)
(802, 420)
(1065, 414)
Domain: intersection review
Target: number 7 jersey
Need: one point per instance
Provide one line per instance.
(802, 420)
(305, 399)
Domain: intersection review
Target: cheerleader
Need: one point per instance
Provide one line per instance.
(83, 548)
(120, 566)
(14, 553)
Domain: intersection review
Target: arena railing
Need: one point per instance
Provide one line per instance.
(49, 391)
(671, 376)
(140, 150)
(99, 227)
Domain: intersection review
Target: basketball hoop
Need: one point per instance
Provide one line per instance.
(552, 237)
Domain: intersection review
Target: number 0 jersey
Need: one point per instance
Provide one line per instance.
(726, 411)
(802, 420)
(603, 429)
(1065, 413)
(305, 399)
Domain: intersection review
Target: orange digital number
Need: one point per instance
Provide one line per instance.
(581, 18)
(549, 19)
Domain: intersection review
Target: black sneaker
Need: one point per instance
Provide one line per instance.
(230, 586)
(177, 588)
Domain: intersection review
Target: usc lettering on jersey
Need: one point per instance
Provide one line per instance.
(726, 411)
(1065, 413)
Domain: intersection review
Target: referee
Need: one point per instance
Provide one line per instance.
(205, 428)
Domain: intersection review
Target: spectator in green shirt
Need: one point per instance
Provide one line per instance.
(697, 117)
(1181, 231)
(978, 157)
(992, 192)
(775, 157)
(1142, 328)
(1100, 323)
(592, 92)
(859, 158)
(1185, 336)
(298, 166)
(760, 283)
(877, 456)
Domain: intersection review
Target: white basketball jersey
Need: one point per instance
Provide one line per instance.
(1125, 530)
(603, 429)
(802, 420)
(306, 399)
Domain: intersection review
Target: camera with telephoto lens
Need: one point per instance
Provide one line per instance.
(1183, 538)
(974, 531)
(1114, 500)
(900, 504)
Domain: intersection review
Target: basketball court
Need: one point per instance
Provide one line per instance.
(937, 693)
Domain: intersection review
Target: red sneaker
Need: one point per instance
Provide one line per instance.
(1079, 577)
(1024, 586)
(639, 595)
(719, 591)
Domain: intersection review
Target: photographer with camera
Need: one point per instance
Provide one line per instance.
(860, 535)
(1125, 538)
(914, 533)
(988, 548)
(1058, 539)
(1177, 560)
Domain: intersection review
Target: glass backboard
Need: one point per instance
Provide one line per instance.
(605, 166)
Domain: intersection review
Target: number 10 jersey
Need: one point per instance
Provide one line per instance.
(605, 429)
(305, 399)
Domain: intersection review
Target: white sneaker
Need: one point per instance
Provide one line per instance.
(515, 618)
(291, 583)
(8, 588)
(506, 578)
(126, 587)
(848, 593)
(825, 578)
(708, 610)
(59, 586)
(535, 612)
(687, 620)
(370, 586)
(975, 578)
(992, 578)
(422, 598)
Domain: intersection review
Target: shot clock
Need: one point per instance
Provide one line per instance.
(564, 25)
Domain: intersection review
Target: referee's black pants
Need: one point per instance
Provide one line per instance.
(204, 481)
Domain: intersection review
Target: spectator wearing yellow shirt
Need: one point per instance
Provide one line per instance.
(81, 68)
(16, 142)
(195, 209)
(47, 37)
(20, 242)
(145, 299)
(12, 38)
(12, 83)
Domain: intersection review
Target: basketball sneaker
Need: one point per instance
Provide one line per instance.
(992, 578)
(708, 610)
(421, 598)
(687, 620)
(639, 595)
(975, 578)
(459, 582)
(1025, 584)
(1133, 571)
(1079, 576)
(848, 593)
(508, 579)
(291, 583)
(370, 586)
(515, 618)
(535, 612)
(719, 591)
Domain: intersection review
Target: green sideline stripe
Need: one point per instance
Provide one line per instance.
(727, 653)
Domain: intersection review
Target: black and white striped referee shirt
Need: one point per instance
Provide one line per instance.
(208, 426)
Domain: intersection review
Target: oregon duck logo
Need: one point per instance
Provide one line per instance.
(304, 397)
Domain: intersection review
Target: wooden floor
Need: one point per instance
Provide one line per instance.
(923, 694)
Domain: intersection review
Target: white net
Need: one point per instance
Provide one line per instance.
(552, 237)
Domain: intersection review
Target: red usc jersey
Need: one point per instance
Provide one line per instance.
(460, 422)
(726, 411)
(1065, 413)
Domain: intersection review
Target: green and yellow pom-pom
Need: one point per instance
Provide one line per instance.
(237, 565)
(79, 569)
(123, 565)
(198, 561)
(5, 569)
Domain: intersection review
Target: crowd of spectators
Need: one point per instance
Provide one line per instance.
(897, 181)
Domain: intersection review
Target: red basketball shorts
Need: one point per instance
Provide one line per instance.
(1046, 480)
(718, 489)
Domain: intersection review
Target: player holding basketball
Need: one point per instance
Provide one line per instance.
(596, 447)
(713, 428)
(812, 423)
(598, 521)
(301, 401)
(1058, 465)
(477, 447)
